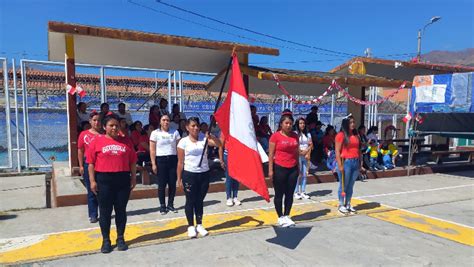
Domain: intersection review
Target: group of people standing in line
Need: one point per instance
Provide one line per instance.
(109, 155)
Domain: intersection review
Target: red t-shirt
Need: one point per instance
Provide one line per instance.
(85, 138)
(286, 149)
(110, 155)
(142, 139)
(351, 150)
(328, 142)
(135, 136)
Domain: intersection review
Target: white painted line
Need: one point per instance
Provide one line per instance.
(420, 214)
(416, 191)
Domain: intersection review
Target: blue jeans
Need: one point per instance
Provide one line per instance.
(301, 183)
(92, 203)
(231, 185)
(351, 172)
(387, 162)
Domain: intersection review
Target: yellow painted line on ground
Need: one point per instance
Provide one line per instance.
(450, 230)
(429, 225)
(81, 242)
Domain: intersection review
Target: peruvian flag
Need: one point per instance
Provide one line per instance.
(235, 120)
(419, 118)
(72, 90)
(407, 118)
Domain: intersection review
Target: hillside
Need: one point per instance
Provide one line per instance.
(463, 57)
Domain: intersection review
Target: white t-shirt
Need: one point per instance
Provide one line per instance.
(82, 117)
(127, 116)
(304, 140)
(192, 154)
(165, 142)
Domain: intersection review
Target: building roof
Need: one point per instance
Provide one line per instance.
(395, 69)
(310, 83)
(119, 47)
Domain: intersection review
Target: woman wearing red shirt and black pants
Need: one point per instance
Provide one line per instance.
(112, 172)
(85, 138)
(349, 162)
(283, 167)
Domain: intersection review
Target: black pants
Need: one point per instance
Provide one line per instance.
(195, 187)
(284, 183)
(113, 193)
(167, 176)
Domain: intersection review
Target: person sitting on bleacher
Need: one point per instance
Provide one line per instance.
(389, 153)
(373, 151)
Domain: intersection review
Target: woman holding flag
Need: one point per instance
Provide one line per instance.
(283, 167)
(193, 175)
(349, 163)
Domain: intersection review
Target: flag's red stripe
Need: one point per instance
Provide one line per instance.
(245, 166)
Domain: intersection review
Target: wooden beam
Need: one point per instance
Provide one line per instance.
(128, 35)
(358, 111)
(71, 103)
(342, 80)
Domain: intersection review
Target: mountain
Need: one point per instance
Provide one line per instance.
(463, 57)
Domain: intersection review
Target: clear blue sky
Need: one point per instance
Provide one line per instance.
(387, 27)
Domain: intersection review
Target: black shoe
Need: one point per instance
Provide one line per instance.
(93, 220)
(106, 246)
(170, 208)
(121, 245)
(163, 210)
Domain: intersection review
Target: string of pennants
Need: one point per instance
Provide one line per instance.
(335, 86)
(75, 89)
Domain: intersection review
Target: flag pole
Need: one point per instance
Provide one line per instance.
(213, 120)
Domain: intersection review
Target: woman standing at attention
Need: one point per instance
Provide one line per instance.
(85, 138)
(164, 161)
(194, 178)
(112, 171)
(283, 167)
(349, 163)
(305, 147)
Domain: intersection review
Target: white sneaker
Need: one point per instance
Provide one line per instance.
(229, 202)
(305, 196)
(192, 232)
(297, 196)
(351, 209)
(343, 210)
(237, 202)
(289, 221)
(201, 230)
(282, 221)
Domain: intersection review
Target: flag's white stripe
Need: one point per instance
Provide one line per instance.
(241, 125)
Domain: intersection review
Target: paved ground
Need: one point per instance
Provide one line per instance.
(419, 220)
(22, 192)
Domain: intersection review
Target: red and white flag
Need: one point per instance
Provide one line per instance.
(235, 120)
(72, 90)
(407, 118)
(419, 118)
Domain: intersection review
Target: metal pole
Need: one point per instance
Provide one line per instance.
(175, 88)
(418, 56)
(180, 80)
(376, 109)
(169, 90)
(25, 113)
(369, 119)
(333, 102)
(7, 111)
(103, 86)
(15, 95)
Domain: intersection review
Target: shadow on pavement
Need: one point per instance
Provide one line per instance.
(308, 216)
(206, 204)
(7, 216)
(254, 199)
(367, 206)
(159, 235)
(289, 237)
(236, 223)
(320, 193)
(142, 211)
